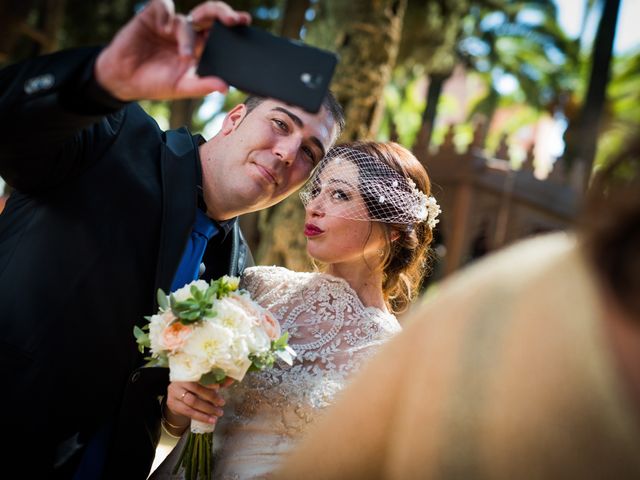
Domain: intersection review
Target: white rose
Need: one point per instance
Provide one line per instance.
(258, 341)
(235, 358)
(187, 368)
(185, 292)
(233, 315)
(157, 325)
(211, 343)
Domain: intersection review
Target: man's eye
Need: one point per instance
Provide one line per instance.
(309, 154)
(281, 125)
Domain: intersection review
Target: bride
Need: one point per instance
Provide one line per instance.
(369, 221)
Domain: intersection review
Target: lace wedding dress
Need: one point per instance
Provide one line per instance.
(332, 332)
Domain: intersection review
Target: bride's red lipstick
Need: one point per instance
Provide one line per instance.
(310, 230)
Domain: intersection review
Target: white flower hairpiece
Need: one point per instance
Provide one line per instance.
(433, 210)
(427, 208)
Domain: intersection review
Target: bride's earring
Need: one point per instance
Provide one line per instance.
(380, 252)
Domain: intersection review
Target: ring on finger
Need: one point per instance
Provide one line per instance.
(194, 26)
(183, 395)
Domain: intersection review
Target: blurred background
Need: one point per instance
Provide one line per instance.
(510, 105)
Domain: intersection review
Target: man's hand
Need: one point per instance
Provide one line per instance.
(155, 55)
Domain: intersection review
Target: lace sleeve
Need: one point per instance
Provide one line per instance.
(322, 313)
(260, 281)
(330, 327)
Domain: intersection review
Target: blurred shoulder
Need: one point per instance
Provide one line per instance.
(529, 271)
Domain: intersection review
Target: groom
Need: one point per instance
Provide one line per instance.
(108, 208)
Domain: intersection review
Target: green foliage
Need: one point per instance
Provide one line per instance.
(261, 361)
(95, 22)
(492, 39)
(159, 110)
(404, 104)
(142, 338)
(215, 376)
(144, 343)
(163, 303)
(623, 109)
(200, 304)
(267, 359)
(196, 457)
(538, 54)
(281, 343)
(192, 309)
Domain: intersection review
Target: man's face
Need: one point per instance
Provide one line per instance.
(265, 155)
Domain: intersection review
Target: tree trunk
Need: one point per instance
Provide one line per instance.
(44, 35)
(365, 34)
(434, 91)
(13, 15)
(50, 24)
(293, 18)
(582, 136)
(182, 112)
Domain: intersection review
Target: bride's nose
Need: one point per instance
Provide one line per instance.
(315, 207)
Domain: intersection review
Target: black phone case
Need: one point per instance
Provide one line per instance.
(258, 62)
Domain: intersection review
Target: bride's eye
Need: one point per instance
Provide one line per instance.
(340, 195)
(314, 191)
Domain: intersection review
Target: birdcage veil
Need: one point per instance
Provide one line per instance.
(351, 184)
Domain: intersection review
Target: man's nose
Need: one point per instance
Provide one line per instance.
(287, 149)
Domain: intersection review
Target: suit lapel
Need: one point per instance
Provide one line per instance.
(179, 176)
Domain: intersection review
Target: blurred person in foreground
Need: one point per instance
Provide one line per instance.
(526, 365)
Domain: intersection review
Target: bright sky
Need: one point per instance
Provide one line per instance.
(627, 34)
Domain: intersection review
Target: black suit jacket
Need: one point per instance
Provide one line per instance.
(102, 211)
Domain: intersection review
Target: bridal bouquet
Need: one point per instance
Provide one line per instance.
(206, 332)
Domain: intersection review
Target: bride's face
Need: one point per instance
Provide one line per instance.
(332, 238)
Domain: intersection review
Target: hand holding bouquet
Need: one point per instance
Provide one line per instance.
(207, 332)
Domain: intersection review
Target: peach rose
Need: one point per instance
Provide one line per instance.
(175, 335)
(270, 325)
(264, 318)
(252, 308)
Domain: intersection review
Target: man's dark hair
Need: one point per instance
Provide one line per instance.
(330, 103)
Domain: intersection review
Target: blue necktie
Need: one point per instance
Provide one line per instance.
(189, 268)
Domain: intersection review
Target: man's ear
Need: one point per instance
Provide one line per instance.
(233, 118)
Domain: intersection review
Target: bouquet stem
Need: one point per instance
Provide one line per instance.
(196, 457)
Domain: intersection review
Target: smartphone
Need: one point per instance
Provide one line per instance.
(257, 62)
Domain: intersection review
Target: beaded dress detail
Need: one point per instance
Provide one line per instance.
(332, 333)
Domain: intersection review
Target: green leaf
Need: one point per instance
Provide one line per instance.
(159, 361)
(162, 300)
(214, 376)
(260, 361)
(142, 339)
(281, 342)
(196, 293)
